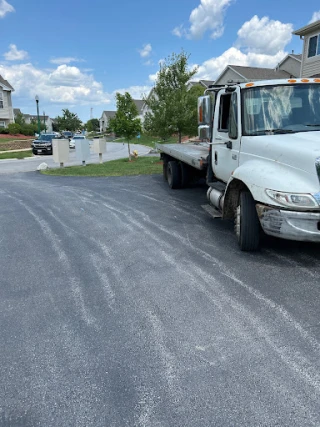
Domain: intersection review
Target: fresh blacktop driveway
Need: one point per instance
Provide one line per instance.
(123, 304)
(29, 164)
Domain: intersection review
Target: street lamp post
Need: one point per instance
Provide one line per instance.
(44, 122)
(37, 101)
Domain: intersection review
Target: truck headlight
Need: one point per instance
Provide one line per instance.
(293, 200)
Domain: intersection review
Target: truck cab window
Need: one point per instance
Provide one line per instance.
(224, 112)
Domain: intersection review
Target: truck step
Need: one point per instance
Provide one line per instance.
(212, 211)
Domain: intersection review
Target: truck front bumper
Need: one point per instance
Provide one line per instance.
(291, 225)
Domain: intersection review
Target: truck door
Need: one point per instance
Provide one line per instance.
(226, 134)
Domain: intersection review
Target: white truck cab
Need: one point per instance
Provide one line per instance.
(260, 151)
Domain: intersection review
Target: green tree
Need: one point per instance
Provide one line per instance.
(170, 104)
(19, 119)
(125, 122)
(93, 125)
(68, 121)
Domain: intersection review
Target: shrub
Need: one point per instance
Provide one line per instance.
(28, 130)
(4, 131)
(14, 128)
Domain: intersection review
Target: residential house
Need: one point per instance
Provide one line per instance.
(6, 110)
(204, 83)
(105, 119)
(310, 34)
(107, 115)
(291, 64)
(289, 67)
(30, 118)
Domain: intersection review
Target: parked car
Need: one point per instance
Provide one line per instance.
(43, 144)
(72, 143)
(67, 134)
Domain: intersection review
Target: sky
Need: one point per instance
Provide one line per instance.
(79, 54)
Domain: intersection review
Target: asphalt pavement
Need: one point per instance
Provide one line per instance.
(115, 150)
(123, 304)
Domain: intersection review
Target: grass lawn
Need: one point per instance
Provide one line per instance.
(16, 155)
(121, 167)
(149, 141)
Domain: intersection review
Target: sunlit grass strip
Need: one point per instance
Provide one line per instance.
(122, 167)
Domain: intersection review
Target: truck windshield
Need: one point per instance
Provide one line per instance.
(281, 109)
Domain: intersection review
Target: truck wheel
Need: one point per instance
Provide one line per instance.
(174, 174)
(165, 171)
(185, 175)
(247, 225)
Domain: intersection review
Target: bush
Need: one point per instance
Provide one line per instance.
(28, 130)
(14, 128)
(4, 131)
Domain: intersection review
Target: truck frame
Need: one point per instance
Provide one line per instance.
(259, 151)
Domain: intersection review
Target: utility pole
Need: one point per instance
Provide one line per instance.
(91, 115)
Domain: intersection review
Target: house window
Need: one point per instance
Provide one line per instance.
(1, 100)
(314, 46)
(2, 125)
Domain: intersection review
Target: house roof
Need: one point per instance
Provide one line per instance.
(139, 104)
(108, 114)
(16, 111)
(204, 83)
(307, 29)
(256, 73)
(5, 83)
(296, 56)
(207, 83)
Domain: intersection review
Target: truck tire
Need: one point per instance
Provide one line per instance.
(185, 174)
(247, 225)
(165, 171)
(174, 174)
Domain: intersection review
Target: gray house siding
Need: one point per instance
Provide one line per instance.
(310, 66)
(6, 111)
(291, 66)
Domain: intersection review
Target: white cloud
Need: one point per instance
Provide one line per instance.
(65, 60)
(14, 54)
(264, 36)
(179, 31)
(210, 69)
(149, 62)
(137, 92)
(315, 17)
(146, 50)
(64, 85)
(208, 16)
(5, 8)
(153, 77)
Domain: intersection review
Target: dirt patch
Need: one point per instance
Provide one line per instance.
(15, 144)
(14, 137)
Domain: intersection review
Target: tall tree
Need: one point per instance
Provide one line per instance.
(125, 122)
(19, 119)
(169, 105)
(68, 121)
(93, 125)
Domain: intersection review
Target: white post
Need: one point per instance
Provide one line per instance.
(100, 157)
(61, 165)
